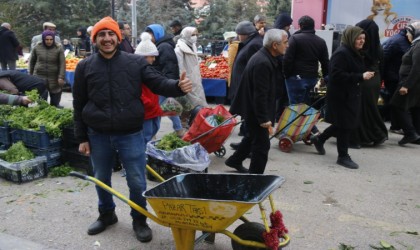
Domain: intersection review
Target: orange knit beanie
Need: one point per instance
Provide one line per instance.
(106, 23)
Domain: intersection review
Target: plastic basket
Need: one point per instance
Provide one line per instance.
(36, 139)
(52, 154)
(24, 171)
(5, 135)
(68, 139)
(77, 160)
(166, 170)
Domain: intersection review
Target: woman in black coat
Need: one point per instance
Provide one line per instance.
(372, 130)
(406, 100)
(343, 94)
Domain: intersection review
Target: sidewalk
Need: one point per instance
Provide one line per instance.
(323, 204)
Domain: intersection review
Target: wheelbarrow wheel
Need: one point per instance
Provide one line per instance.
(220, 152)
(248, 231)
(286, 144)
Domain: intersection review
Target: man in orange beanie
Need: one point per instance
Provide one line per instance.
(108, 118)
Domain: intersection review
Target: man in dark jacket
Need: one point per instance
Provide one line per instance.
(255, 102)
(24, 82)
(8, 47)
(300, 64)
(125, 44)
(108, 118)
(283, 21)
(249, 43)
(176, 28)
(394, 48)
(167, 64)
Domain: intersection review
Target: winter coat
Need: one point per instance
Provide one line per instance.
(167, 62)
(246, 50)
(343, 88)
(409, 78)
(48, 64)
(188, 62)
(8, 45)
(107, 93)
(394, 48)
(306, 50)
(150, 103)
(255, 99)
(232, 52)
(23, 81)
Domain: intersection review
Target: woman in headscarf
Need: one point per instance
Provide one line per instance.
(186, 53)
(372, 130)
(48, 62)
(406, 100)
(346, 73)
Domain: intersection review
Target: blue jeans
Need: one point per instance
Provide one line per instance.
(299, 89)
(176, 121)
(150, 128)
(131, 152)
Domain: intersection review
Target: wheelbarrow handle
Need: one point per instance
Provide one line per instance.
(79, 175)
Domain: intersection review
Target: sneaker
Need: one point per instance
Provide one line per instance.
(237, 166)
(408, 138)
(347, 162)
(318, 145)
(416, 142)
(235, 145)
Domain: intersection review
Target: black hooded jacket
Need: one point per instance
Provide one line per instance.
(166, 62)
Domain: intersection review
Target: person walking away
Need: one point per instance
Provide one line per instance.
(249, 43)
(255, 102)
(47, 61)
(108, 118)
(152, 110)
(301, 62)
(283, 21)
(186, 53)
(9, 45)
(394, 48)
(372, 130)
(125, 44)
(346, 73)
(167, 64)
(406, 100)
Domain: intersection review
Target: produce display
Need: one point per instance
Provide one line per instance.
(17, 152)
(214, 67)
(71, 62)
(21, 64)
(42, 114)
(170, 142)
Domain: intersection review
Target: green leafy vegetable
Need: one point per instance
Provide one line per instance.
(17, 152)
(170, 142)
(60, 171)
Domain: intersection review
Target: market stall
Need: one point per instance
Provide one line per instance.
(214, 72)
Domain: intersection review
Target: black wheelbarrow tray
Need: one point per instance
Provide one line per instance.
(209, 203)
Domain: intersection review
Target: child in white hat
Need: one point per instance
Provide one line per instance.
(152, 110)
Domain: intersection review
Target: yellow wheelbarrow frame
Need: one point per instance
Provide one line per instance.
(184, 235)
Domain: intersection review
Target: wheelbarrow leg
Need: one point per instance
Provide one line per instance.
(211, 237)
(184, 238)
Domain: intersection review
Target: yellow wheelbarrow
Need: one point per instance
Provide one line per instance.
(210, 203)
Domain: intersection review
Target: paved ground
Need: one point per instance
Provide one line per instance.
(323, 204)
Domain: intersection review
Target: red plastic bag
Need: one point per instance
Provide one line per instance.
(214, 140)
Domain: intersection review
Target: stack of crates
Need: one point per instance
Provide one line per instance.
(70, 152)
(40, 143)
(5, 140)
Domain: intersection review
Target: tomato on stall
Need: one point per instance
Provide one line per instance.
(214, 67)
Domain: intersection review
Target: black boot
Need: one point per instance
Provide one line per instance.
(106, 218)
(142, 230)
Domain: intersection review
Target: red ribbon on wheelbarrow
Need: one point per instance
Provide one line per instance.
(277, 230)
